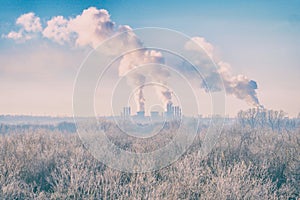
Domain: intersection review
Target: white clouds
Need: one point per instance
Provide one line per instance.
(91, 27)
(57, 30)
(29, 22)
(30, 25)
(19, 36)
(14, 35)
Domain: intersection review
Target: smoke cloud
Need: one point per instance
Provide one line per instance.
(214, 77)
(93, 26)
(240, 86)
(137, 78)
(167, 95)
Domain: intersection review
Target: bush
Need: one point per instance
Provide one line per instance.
(244, 164)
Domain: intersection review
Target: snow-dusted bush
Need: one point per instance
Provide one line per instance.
(244, 164)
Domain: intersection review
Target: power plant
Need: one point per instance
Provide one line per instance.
(171, 113)
(126, 112)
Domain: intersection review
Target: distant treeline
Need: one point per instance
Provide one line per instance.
(28, 119)
(65, 127)
(254, 118)
(257, 118)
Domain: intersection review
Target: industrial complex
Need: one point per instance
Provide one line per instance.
(171, 113)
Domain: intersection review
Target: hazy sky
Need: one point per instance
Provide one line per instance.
(259, 39)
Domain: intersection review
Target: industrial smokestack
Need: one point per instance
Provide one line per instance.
(167, 95)
(215, 75)
(141, 99)
(137, 78)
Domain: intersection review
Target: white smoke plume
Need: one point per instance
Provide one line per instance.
(137, 78)
(93, 26)
(240, 86)
(214, 76)
(167, 95)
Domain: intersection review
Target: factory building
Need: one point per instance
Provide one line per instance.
(126, 112)
(172, 112)
(155, 116)
(140, 114)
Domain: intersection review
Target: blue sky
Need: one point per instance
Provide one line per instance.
(259, 39)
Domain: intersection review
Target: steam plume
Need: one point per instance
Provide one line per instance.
(93, 26)
(137, 78)
(215, 76)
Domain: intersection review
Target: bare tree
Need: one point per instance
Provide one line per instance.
(275, 119)
(263, 118)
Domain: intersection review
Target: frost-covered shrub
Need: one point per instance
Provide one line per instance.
(244, 164)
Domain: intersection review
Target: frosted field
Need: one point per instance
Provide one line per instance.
(246, 163)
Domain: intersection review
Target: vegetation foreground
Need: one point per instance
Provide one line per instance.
(246, 163)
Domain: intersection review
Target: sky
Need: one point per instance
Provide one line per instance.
(258, 39)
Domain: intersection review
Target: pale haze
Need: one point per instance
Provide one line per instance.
(43, 45)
